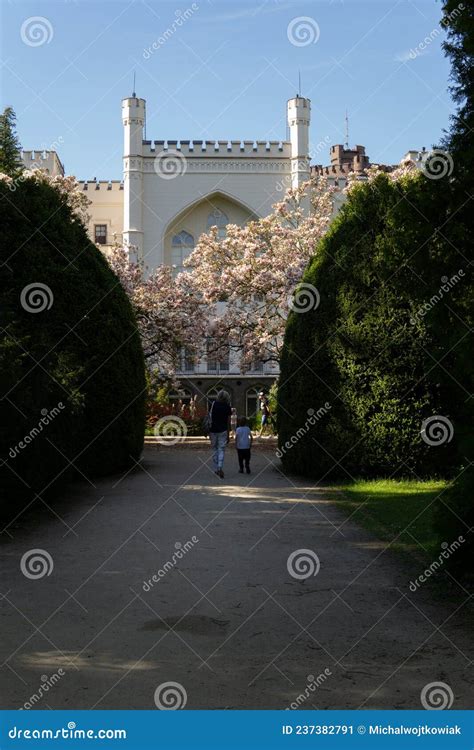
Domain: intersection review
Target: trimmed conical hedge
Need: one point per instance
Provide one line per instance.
(72, 376)
(379, 349)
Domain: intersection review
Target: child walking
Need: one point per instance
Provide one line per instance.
(243, 443)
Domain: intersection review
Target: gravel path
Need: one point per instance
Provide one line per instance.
(227, 621)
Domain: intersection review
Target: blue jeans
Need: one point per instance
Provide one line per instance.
(218, 444)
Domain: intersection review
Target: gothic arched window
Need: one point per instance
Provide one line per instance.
(219, 219)
(252, 401)
(182, 245)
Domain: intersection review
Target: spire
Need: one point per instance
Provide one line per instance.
(347, 131)
(133, 92)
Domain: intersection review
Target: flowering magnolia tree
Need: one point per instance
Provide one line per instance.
(370, 174)
(249, 279)
(237, 290)
(170, 312)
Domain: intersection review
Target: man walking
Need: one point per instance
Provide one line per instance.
(219, 430)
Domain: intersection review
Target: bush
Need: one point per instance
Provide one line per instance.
(454, 518)
(71, 364)
(372, 349)
(254, 422)
(162, 419)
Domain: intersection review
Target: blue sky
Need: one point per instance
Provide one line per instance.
(224, 73)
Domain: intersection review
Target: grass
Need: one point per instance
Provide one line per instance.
(395, 510)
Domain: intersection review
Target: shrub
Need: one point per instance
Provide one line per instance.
(70, 338)
(162, 419)
(254, 422)
(454, 518)
(456, 508)
(370, 348)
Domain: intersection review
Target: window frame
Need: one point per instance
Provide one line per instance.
(97, 236)
(217, 218)
(182, 247)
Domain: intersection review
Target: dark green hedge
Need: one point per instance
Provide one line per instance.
(454, 520)
(371, 349)
(82, 351)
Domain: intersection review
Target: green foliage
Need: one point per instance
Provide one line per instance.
(372, 349)
(273, 403)
(254, 422)
(10, 162)
(74, 342)
(458, 20)
(454, 519)
(455, 511)
(162, 395)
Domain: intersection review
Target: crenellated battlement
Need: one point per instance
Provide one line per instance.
(37, 155)
(44, 159)
(219, 148)
(104, 185)
(344, 161)
(331, 171)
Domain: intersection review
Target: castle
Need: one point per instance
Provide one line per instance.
(173, 191)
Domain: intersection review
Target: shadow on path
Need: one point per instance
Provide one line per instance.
(169, 574)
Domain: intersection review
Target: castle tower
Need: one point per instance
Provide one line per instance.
(133, 119)
(299, 118)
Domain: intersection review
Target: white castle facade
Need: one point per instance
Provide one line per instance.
(173, 191)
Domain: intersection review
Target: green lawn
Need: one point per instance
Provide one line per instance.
(391, 509)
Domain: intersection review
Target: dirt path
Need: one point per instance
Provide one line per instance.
(227, 621)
